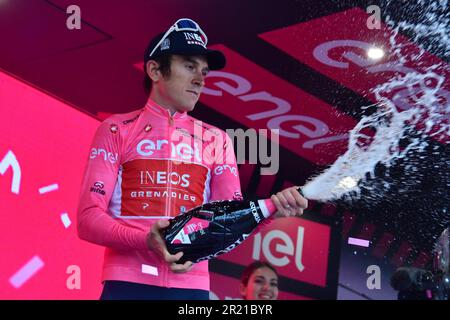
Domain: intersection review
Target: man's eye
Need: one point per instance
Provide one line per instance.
(190, 67)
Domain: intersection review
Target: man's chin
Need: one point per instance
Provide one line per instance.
(186, 108)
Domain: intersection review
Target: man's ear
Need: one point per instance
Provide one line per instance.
(242, 290)
(152, 68)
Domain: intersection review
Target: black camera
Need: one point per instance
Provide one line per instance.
(420, 284)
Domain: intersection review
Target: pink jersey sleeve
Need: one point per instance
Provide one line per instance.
(225, 184)
(94, 223)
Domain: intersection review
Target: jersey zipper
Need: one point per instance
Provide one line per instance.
(169, 163)
(169, 171)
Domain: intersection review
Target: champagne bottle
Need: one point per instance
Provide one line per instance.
(215, 228)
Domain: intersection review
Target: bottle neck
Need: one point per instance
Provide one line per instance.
(267, 207)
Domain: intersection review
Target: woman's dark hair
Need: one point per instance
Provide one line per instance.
(164, 67)
(252, 267)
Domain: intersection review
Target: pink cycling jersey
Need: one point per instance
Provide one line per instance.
(144, 166)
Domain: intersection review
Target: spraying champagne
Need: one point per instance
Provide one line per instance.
(215, 228)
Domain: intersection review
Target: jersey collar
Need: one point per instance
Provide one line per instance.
(163, 112)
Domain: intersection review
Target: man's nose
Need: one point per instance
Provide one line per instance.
(199, 79)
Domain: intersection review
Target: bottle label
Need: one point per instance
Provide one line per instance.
(255, 212)
(194, 225)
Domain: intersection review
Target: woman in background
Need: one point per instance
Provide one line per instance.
(259, 281)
